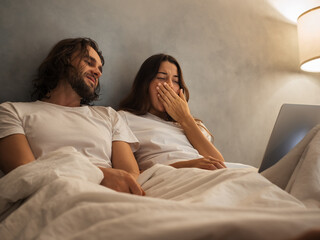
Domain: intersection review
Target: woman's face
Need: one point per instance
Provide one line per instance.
(168, 73)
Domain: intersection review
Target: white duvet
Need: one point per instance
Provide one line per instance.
(59, 197)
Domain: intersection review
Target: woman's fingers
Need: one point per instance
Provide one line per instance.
(167, 91)
(215, 166)
(163, 95)
(172, 93)
(211, 163)
(218, 165)
(211, 167)
(171, 97)
(208, 163)
(163, 101)
(182, 95)
(212, 159)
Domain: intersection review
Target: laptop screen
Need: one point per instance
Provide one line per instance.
(294, 121)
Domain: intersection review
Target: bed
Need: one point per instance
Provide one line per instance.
(45, 200)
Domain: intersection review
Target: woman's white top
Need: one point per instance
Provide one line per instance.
(160, 141)
(47, 127)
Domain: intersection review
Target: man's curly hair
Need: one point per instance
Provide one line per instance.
(57, 65)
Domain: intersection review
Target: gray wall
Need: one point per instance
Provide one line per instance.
(240, 58)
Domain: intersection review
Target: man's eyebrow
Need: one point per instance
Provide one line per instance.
(95, 61)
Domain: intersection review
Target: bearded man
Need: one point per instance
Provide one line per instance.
(66, 83)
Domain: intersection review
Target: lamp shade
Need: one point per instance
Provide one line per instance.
(309, 40)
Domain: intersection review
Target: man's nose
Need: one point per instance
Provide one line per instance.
(96, 72)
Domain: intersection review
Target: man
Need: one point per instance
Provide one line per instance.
(67, 80)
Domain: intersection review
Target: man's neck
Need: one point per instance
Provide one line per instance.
(63, 95)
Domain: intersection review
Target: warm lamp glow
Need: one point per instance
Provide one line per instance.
(309, 40)
(292, 9)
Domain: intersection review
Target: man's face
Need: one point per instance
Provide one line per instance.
(86, 79)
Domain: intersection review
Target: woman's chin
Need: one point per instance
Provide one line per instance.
(159, 111)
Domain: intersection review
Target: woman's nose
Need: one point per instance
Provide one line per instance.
(169, 82)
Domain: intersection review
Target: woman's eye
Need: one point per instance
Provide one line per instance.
(160, 78)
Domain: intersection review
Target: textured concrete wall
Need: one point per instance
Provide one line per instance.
(239, 58)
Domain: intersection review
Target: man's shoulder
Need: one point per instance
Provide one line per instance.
(17, 109)
(127, 114)
(11, 105)
(15, 103)
(133, 119)
(104, 110)
(122, 113)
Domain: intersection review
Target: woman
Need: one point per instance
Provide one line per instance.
(157, 111)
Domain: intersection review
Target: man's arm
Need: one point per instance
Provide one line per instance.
(14, 151)
(122, 177)
(123, 158)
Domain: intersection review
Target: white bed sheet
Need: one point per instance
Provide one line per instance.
(63, 200)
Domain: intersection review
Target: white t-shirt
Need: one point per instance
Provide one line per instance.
(160, 141)
(89, 129)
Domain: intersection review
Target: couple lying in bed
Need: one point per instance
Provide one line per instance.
(161, 130)
(68, 80)
(156, 111)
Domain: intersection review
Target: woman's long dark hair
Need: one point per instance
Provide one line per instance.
(57, 65)
(138, 101)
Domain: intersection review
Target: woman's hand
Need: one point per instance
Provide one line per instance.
(208, 163)
(175, 105)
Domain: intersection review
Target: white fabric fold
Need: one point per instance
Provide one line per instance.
(65, 201)
(25, 180)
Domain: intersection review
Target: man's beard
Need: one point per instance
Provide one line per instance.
(78, 84)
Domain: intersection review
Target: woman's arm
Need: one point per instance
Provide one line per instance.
(208, 163)
(177, 107)
(14, 151)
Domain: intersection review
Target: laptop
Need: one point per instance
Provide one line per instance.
(294, 121)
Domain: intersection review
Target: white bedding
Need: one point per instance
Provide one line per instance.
(65, 201)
